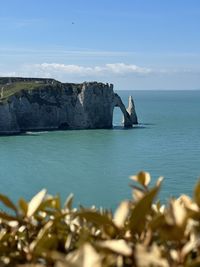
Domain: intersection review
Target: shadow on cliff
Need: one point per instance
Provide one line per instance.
(135, 127)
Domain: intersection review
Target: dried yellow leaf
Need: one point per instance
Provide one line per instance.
(193, 243)
(178, 212)
(143, 178)
(137, 194)
(35, 202)
(117, 246)
(121, 214)
(159, 181)
(150, 257)
(86, 256)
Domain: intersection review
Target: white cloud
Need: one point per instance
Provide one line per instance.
(107, 69)
(123, 76)
(121, 68)
(78, 73)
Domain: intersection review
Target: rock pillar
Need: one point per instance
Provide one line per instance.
(127, 119)
(131, 111)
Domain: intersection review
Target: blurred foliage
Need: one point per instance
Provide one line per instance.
(140, 233)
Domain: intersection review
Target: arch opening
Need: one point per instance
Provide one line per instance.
(129, 114)
(117, 117)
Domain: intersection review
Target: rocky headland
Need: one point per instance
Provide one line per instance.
(34, 104)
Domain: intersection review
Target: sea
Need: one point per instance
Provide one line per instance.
(95, 165)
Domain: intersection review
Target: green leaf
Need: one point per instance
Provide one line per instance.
(51, 203)
(43, 238)
(100, 220)
(68, 202)
(23, 206)
(7, 217)
(96, 217)
(141, 209)
(195, 263)
(197, 193)
(7, 202)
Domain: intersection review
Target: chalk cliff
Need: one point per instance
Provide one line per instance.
(28, 104)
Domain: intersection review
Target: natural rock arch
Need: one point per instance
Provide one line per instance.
(52, 105)
(129, 114)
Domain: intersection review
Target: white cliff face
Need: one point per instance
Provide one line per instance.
(61, 106)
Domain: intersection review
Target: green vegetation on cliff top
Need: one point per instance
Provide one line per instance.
(10, 89)
(11, 86)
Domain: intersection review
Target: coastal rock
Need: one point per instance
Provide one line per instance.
(132, 119)
(8, 120)
(29, 104)
(127, 121)
(131, 110)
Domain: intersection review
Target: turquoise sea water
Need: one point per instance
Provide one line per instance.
(95, 164)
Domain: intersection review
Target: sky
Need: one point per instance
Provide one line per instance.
(134, 44)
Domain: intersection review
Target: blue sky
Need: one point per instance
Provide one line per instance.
(135, 44)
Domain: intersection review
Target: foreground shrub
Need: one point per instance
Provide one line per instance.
(140, 233)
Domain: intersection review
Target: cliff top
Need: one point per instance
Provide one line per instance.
(12, 85)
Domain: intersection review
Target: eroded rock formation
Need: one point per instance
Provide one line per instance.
(44, 104)
(132, 113)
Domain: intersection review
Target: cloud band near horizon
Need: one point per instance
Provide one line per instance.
(114, 69)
